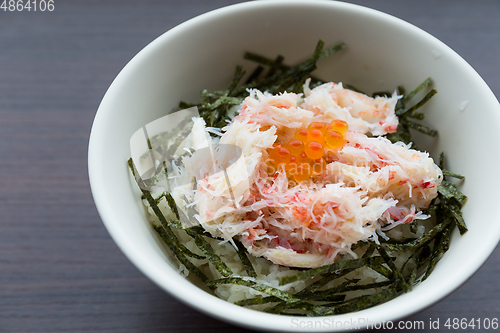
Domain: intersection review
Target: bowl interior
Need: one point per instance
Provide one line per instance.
(382, 52)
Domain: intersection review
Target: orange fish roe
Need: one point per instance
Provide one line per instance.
(301, 172)
(339, 126)
(314, 150)
(317, 126)
(301, 134)
(292, 162)
(304, 156)
(279, 154)
(334, 139)
(318, 166)
(315, 136)
(295, 147)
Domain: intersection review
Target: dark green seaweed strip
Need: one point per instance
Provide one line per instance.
(147, 194)
(417, 115)
(321, 295)
(401, 90)
(290, 75)
(402, 134)
(364, 302)
(176, 140)
(313, 287)
(171, 203)
(255, 74)
(357, 245)
(173, 243)
(424, 256)
(398, 277)
(165, 232)
(347, 286)
(185, 105)
(356, 304)
(160, 198)
(340, 265)
(450, 191)
(276, 65)
(239, 73)
(190, 253)
(328, 295)
(331, 297)
(368, 286)
(454, 210)
(305, 306)
(185, 250)
(441, 161)
(297, 78)
(266, 61)
(421, 241)
(162, 141)
(400, 104)
(382, 270)
(415, 91)
(258, 300)
(243, 255)
(279, 308)
(369, 251)
(418, 262)
(262, 83)
(411, 111)
(222, 115)
(282, 306)
(452, 174)
(201, 231)
(209, 96)
(256, 286)
(419, 127)
(181, 246)
(172, 224)
(158, 174)
(437, 252)
(412, 278)
(421, 260)
(209, 252)
(331, 50)
(223, 100)
(446, 239)
(400, 240)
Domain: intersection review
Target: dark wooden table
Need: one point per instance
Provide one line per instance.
(59, 269)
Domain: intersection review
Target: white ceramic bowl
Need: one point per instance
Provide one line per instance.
(382, 52)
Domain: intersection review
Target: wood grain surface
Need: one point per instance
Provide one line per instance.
(59, 269)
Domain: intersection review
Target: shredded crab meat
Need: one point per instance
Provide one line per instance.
(368, 186)
(364, 114)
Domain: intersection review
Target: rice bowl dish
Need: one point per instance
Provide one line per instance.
(305, 180)
(161, 75)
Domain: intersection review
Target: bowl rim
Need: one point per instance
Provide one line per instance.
(181, 288)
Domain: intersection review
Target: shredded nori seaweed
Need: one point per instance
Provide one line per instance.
(243, 255)
(282, 295)
(339, 265)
